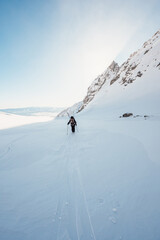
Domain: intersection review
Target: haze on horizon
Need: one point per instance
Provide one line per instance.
(51, 50)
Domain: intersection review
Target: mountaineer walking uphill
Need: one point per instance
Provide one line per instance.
(73, 123)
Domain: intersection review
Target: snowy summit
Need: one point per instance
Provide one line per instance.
(137, 78)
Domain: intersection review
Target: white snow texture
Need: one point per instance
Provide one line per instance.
(99, 183)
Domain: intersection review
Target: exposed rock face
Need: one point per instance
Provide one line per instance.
(140, 61)
(139, 74)
(127, 115)
(71, 110)
(97, 84)
(114, 67)
(135, 68)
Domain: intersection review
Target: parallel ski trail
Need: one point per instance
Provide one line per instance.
(72, 217)
(65, 223)
(61, 197)
(84, 226)
(84, 197)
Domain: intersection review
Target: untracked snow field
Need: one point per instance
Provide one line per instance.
(8, 120)
(101, 183)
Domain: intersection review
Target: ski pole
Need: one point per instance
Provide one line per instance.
(77, 129)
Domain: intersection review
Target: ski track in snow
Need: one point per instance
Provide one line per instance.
(98, 184)
(72, 218)
(71, 191)
(81, 187)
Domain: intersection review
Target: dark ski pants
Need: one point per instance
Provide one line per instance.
(73, 128)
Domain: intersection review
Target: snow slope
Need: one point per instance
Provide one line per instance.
(8, 120)
(71, 110)
(136, 79)
(98, 83)
(33, 111)
(100, 183)
(136, 87)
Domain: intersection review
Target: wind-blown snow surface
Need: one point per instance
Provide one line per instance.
(8, 120)
(15, 117)
(99, 183)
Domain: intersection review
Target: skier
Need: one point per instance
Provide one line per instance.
(73, 123)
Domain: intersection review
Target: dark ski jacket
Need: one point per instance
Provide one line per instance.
(72, 121)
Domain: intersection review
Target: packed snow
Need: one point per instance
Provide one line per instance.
(99, 183)
(33, 111)
(15, 117)
(12, 120)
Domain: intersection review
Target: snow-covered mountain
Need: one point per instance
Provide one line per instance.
(71, 110)
(92, 90)
(97, 84)
(136, 86)
(102, 182)
(142, 66)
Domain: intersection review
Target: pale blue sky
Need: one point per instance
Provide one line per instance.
(50, 51)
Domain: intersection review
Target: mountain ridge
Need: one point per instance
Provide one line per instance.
(135, 67)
